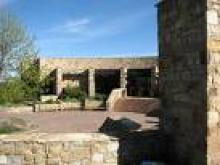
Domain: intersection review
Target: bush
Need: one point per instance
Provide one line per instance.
(12, 91)
(73, 93)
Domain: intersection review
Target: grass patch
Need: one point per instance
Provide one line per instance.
(12, 125)
(7, 128)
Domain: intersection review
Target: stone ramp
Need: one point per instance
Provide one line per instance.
(135, 104)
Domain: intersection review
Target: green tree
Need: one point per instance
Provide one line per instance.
(19, 75)
(30, 76)
(11, 91)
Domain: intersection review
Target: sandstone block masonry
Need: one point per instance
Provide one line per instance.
(189, 53)
(58, 149)
(213, 81)
(80, 64)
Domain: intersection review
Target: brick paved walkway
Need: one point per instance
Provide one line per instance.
(78, 121)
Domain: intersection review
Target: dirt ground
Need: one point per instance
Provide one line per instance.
(78, 121)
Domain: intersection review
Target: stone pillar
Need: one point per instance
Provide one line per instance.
(59, 80)
(91, 82)
(213, 82)
(154, 81)
(189, 57)
(123, 78)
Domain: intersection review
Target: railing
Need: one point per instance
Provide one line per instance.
(114, 96)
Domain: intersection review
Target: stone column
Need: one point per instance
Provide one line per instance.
(59, 75)
(123, 78)
(213, 82)
(189, 57)
(91, 82)
(154, 79)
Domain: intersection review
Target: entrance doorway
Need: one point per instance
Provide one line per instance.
(106, 80)
(138, 82)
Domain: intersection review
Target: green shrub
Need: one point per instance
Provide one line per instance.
(73, 93)
(12, 91)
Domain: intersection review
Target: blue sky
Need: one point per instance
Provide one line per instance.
(68, 28)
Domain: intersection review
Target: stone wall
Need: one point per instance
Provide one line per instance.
(60, 149)
(94, 105)
(53, 107)
(213, 83)
(17, 109)
(183, 79)
(189, 34)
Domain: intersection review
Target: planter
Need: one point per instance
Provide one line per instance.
(46, 107)
(57, 107)
(94, 105)
(71, 105)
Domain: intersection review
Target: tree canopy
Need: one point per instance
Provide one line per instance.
(15, 45)
(19, 75)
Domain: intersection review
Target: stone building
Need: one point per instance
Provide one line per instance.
(189, 57)
(101, 75)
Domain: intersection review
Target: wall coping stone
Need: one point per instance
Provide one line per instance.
(55, 137)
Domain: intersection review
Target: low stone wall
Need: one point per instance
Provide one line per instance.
(94, 105)
(51, 149)
(89, 105)
(16, 109)
(57, 107)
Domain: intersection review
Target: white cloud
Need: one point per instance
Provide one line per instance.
(71, 26)
(117, 25)
(82, 30)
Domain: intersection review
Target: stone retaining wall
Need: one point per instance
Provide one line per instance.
(58, 149)
(16, 109)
